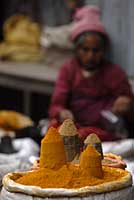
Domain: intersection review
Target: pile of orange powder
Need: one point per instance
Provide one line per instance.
(56, 172)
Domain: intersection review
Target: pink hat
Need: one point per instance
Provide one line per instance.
(87, 19)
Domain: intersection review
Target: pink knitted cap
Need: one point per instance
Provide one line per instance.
(87, 19)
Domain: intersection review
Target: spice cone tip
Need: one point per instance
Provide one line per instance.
(68, 128)
(52, 135)
(92, 138)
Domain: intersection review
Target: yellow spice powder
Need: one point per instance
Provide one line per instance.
(68, 176)
(52, 153)
(55, 172)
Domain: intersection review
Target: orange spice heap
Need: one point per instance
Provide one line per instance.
(55, 172)
(90, 162)
(94, 140)
(52, 154)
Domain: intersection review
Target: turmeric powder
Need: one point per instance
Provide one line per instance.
(57, 173)
(91, 162)
(52, 154)
(94, 140)
(68, 176)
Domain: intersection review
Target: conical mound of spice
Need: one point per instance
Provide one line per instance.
(69, 134)
(92, 138)
(95, 141)
(90, 162)
(68, 128)
(56, 173)
(52, 153)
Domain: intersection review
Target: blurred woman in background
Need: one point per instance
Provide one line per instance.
(89, 84)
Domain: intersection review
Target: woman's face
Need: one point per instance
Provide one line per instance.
(90, 52)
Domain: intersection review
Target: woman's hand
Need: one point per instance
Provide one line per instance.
(66, 114)
(122, 105)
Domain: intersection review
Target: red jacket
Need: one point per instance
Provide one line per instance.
(87, 97)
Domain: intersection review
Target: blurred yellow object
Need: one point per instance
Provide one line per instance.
(17, 52)
(21, 40)
(21, 29)
(12, 120)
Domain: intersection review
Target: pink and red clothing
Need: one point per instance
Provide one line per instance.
(87, 97)
(87, 19)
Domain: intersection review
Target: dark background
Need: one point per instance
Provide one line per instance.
(49, 12)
